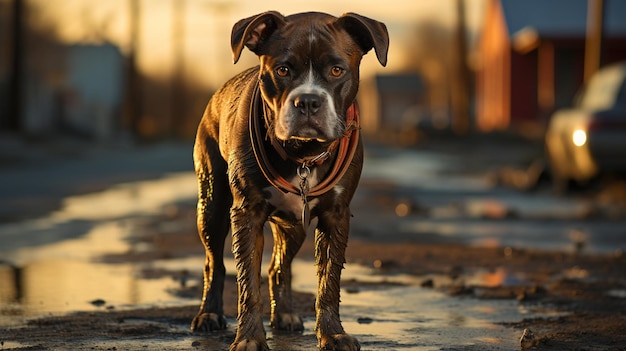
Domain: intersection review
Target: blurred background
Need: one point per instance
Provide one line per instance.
(537, 89)
(505, 86)
(487, 116)
(145, 69)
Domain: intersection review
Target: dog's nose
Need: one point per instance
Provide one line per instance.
(307, 104)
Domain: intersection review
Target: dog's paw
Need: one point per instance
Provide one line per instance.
(287, 321)
(206, 322)
(339, 342)
(249, 345)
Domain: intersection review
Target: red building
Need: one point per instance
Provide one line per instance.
(531, 58)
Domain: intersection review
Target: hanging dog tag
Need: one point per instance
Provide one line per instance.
(306, 215)
(303, 173)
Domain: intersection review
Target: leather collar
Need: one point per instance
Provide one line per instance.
(345, 148)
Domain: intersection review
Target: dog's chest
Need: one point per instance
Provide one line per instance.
(289, 203)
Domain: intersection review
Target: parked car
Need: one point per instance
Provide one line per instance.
(589, 139)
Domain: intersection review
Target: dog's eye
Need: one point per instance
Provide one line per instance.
(282, 71)
(336, 71)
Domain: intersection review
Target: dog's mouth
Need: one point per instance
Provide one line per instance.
(306, 139)
(306, 146)
(306, 132)
(290, 125)
(309, 133)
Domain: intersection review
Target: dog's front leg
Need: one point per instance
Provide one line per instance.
(247, 228)
(331, 238)
(288, 238)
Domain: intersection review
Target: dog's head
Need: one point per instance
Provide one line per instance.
(309, 67)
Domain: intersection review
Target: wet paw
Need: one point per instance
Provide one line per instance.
(249, 345)
(206, 322)
(287, 321)
(339, 342)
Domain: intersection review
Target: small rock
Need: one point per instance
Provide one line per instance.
(98, 302)
(455, 272)
(428, 283)
(364, 320)
(460, 290)
(508, 252)
(384, 264)
(404, 208)
(528, 340)
(352, 290)
(184, 277)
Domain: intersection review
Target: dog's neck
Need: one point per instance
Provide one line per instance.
(300, 151)
(304, 151)
(315, 152)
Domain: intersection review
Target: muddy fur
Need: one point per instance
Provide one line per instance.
(235, 195)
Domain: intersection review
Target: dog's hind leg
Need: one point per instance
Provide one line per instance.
(214, 201)
(288, 239)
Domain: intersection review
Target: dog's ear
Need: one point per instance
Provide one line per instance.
(367, 33)
(251, 32)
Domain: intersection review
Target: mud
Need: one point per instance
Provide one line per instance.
(395, 296)
(440, 258)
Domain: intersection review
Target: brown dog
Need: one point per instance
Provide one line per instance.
(280, 143)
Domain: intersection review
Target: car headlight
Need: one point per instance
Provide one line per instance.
(579, 137)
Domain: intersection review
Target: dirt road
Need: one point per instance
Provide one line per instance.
(585, 294)
(436, 261)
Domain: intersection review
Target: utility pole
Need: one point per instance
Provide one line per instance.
(461, 77)
(593, 41)
(14, 120)
(178, 116)
(134, 98)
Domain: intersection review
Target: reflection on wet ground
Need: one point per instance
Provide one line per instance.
(421, 196)
(53, 264)
(65, 275)
(68, 275)
(384, 312)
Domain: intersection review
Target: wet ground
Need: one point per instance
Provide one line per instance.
(441, 257)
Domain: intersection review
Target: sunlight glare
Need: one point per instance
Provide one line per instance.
(579, 137)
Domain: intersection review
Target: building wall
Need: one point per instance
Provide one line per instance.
(523, 88)
(493, 76)
(95, 80)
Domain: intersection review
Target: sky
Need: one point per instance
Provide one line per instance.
(206, 44)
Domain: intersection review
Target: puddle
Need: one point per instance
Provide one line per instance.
(469, 209)
(48, 265)
(80, 213)
(49, 283)
(424, 169)
(58, 272)
(618, 293)
(396, 314)
(397, 317)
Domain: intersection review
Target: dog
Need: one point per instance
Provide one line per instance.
(279, 143)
